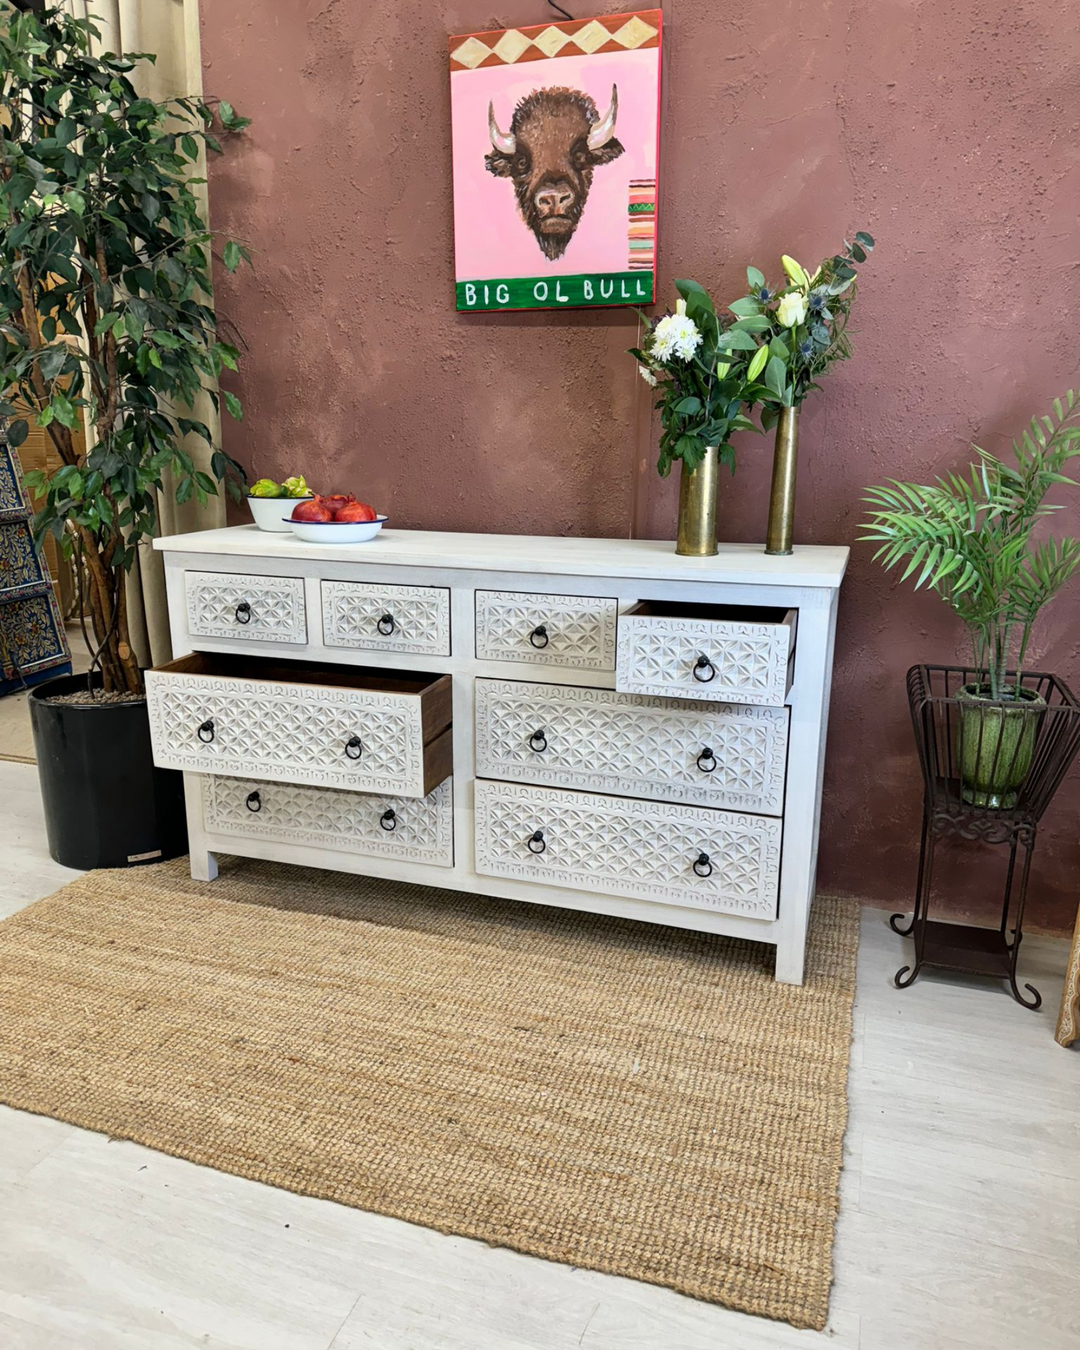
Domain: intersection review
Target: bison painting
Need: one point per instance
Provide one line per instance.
(556, 139)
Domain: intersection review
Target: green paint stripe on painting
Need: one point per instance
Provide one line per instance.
(594, 288)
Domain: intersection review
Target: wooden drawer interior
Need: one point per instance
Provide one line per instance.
(412, 710)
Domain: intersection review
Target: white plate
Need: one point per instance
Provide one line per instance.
(270, 513)
(337, 531)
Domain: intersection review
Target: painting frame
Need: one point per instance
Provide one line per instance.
(555, 131)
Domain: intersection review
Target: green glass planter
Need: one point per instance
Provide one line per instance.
(996, 741)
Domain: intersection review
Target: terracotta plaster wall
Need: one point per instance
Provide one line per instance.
(948, 131)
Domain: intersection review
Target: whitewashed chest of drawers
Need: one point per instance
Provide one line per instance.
(589, 723)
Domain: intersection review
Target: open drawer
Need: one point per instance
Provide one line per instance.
(726, 653)
(295, 722)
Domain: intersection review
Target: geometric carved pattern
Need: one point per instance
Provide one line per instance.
(329, 818)
(352, 610)
(274, 607)
(645, 850)
(291, 733)
(580, 629)
(633, 745)
(657, 655)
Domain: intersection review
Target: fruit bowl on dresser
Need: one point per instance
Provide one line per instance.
(337, 531)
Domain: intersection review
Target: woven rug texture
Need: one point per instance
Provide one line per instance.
(622, 1097)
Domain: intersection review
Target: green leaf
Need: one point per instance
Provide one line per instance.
(866, 240)
(52, 360)
(62, 410)
(232, 256)
(687, 406)
(233, 405)
(745, 307)
(229, 119)
(755, 279)
(65, 131)
(74, 201)
(19, 188)
(17, 432)
(776, 375)
(753, 323)
(736, 340)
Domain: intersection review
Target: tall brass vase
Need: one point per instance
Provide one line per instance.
(697, 507)
(782, 497)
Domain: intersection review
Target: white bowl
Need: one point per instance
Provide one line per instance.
(270, 513)
(337, 531)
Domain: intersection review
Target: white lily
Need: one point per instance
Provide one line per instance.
(795, 272)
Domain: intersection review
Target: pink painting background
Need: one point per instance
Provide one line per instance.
(490, 238)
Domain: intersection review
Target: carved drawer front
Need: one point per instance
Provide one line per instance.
(726, 653)
(292, 722)
(379, 618)
(228, 605)
(672, 750)
(414, 829)
(548, 630)
(675, 855)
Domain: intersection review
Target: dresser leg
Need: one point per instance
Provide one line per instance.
(203, 865)
(791, 958)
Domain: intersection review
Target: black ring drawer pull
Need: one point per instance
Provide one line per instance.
(206, 731)
(354, 747)
(386, 625)
(537, 843)
(702, 665)
(253, 801)
(243, 612)
(539, 636)
(706, 761)
(702, 865)
(538, 741)
(388, 820)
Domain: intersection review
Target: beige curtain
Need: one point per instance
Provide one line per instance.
(170, 28)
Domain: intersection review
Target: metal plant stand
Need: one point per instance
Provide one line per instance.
(958, 739)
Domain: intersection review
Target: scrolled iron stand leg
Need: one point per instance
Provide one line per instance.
(1026, 839)
(906, 932)
(922, 901)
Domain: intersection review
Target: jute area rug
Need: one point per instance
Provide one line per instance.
(630, 1099)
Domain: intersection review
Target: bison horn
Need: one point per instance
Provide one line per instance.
(501, 140)
(603, 130)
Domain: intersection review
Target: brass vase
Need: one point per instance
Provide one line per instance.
(697, 507)
(782, 496)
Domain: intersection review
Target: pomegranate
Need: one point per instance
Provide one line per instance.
(314, 510)
(355, 511)
(336, 500)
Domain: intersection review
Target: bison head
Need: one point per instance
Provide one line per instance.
(556, 140)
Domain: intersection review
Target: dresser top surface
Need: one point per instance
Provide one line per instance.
(812, 565)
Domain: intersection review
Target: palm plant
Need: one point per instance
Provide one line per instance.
(970, 539)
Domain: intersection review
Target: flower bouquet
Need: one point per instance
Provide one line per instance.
(791, 335)
(701, 386)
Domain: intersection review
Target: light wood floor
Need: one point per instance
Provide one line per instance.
(960, 1224)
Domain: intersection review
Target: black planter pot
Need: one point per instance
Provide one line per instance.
(106, 805)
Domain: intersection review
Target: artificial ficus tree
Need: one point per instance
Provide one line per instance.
(104, 320)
